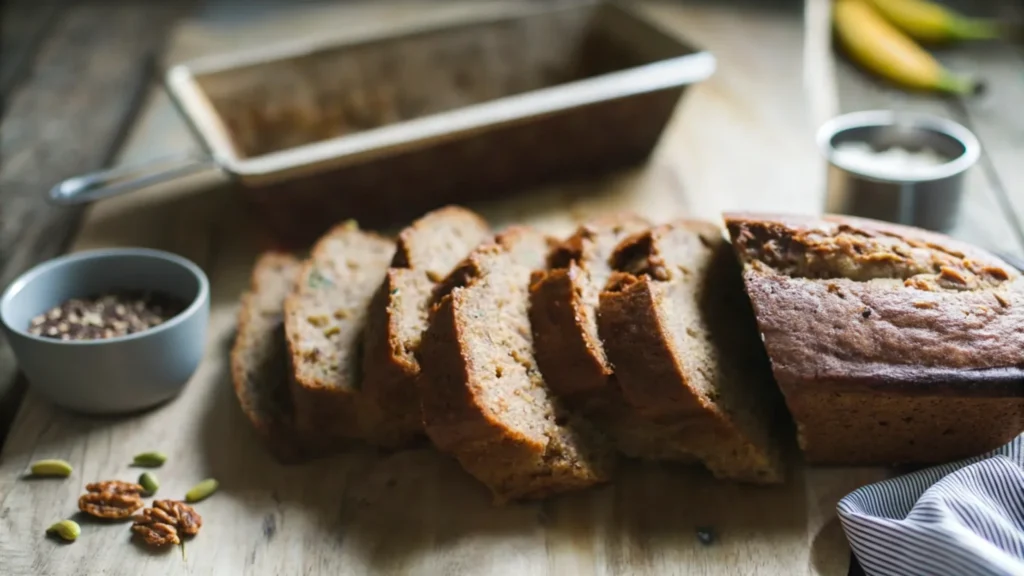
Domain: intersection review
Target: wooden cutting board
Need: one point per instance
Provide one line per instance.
(742, 140)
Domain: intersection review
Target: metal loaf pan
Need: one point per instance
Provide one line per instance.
(385, 128)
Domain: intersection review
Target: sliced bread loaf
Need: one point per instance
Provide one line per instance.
(891, 344)
(563, 314)
(427, 252)
(680, 333)
(259, 367)
(484, 399)
(324, 320)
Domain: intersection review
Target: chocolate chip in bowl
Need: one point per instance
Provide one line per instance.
(108, 331)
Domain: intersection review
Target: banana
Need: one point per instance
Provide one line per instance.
(930, 22)
(878, 46)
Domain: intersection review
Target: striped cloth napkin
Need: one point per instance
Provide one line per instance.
(965, 518)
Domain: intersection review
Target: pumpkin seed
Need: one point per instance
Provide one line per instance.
(149, 483)
(51, 467)
(202, 490)
(150, 459)
(67, 529)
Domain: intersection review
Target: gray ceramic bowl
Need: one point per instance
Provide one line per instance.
(114, 375)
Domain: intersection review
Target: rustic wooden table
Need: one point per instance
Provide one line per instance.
(77, 81)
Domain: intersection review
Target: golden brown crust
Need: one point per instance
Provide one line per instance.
(417, 245)
(258, 359)
(645, 359)
(880, 312)
(868, 427)
(840, 328)
(572, 360)
(807, 226)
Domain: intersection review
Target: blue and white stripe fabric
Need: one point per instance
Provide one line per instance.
(965, 518)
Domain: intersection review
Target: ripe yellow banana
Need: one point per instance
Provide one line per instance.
(930, 22)
(878, 46)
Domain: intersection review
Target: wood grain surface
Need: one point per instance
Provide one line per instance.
(743, 140)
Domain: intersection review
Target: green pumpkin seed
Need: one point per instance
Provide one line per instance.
(150, 459)
(202, 490)
(51, 467)
(317, 280)
(149, 483)
(67, 529)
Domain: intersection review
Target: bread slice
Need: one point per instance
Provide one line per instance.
(427, 252)
(679, 331)
(891, 344)
(563, 314)
(564, 299)
(484, 399)
(259, 367)
(324, 320)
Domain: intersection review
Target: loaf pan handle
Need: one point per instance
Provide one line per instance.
(125, 179)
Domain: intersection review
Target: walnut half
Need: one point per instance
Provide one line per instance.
(115, 487)
(166, 522)
(187, 520)
(156, 533)
(109, 505)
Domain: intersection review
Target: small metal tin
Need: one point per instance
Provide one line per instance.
(924, 196)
